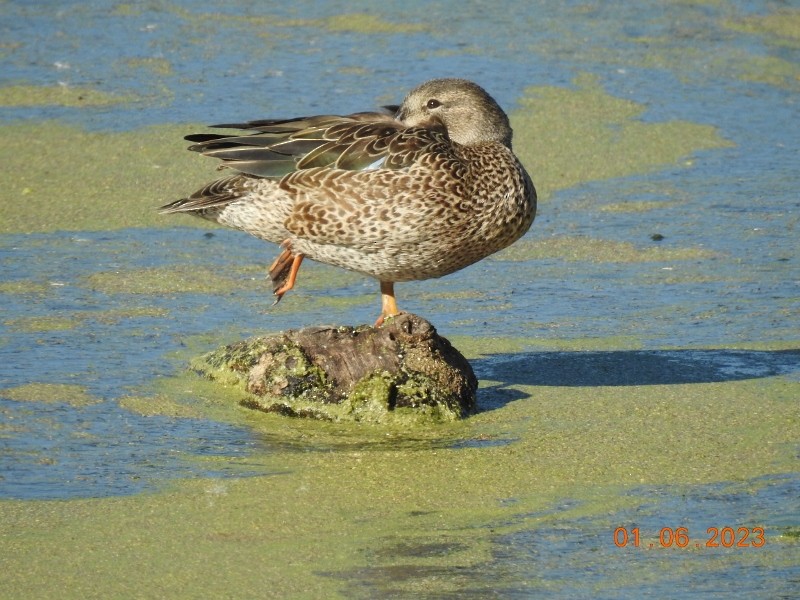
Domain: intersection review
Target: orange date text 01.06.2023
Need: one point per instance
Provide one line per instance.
(679, 537)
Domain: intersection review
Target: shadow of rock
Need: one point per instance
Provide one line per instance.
(626, 368)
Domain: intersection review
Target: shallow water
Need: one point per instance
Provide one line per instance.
(666, 276)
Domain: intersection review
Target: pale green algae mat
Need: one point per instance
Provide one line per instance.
(638, 350)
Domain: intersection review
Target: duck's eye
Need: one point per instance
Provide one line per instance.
(433, 103)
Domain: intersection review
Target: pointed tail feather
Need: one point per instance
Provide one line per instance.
(215, 195)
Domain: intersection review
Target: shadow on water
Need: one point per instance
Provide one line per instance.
(625, 368)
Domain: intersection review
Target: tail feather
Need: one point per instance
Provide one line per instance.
(215, 195)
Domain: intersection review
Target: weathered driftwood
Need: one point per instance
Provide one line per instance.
(401, 370)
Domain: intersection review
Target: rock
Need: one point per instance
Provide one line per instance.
(402, 370)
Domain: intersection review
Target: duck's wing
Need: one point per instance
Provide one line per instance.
(371, 209)
(275, 148)
(306, 154)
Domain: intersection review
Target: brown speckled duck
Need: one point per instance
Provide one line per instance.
(416, 194)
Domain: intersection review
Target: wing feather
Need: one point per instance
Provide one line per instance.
(274, 148)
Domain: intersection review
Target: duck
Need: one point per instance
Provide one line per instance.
(407, 193)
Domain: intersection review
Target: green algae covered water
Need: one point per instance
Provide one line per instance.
(638, 350)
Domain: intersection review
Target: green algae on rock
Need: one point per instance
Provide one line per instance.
(402, 371)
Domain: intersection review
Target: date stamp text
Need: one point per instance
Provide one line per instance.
(680, 537)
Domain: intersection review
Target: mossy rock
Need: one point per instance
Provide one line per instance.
(402, 370)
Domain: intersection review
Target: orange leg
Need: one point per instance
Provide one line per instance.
(280, 263)
(283, 270)
(297, 260)
(388, 302)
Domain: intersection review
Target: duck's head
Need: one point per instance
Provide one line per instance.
(464, 109)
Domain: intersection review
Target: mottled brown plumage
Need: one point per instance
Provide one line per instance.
(414, 195)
